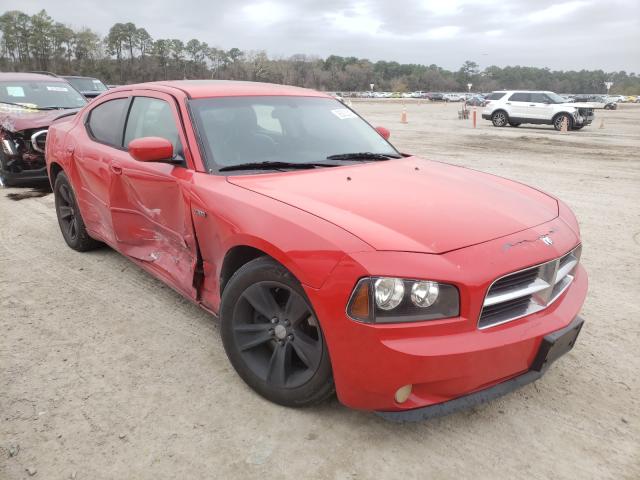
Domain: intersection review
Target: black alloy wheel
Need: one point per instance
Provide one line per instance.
(273, 337)
(69, 218)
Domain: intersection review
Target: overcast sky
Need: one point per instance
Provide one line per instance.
(571, 34)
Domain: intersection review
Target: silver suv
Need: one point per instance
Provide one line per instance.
(515, 107)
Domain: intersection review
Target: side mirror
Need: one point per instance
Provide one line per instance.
(384, 133)
(151, 149)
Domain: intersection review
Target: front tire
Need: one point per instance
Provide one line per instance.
(557, 122)
(71, 224)
(499, 118)
(272, 336)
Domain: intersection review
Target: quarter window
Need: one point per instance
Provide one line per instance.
(496, 95)
(105, 122)
(152, 117)
(520, 97)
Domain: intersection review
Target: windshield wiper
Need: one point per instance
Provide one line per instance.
(362, 156)
(30, 107)
(273, 166)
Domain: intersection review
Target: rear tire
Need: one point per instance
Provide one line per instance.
(272, 336)
(70, 220)
(499, 118)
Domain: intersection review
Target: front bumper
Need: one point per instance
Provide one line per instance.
(25, 177)
(538, 368)
(442, 359)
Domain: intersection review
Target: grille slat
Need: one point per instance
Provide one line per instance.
(528, 291)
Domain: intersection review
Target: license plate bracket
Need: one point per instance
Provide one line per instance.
(556, 344)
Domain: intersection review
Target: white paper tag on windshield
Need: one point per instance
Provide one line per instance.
(15, 91)
(57, 89)
(343, 113)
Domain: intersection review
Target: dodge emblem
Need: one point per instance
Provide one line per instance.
(546, 240)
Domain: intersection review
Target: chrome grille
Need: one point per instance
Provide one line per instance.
(528, 291)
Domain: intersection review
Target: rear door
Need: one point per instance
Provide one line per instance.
(519, 107)
(99, 138)
(149, 201)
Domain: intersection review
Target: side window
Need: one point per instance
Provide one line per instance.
(105, 122)
(496, 95)
(152, 117)
(539, 98)
(266, 120)
(520, 97)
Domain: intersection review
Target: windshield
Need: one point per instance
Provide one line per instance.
(236, 130)
(87, 84)
(555, 98)
(41, 94)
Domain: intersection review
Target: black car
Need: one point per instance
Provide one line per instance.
(89, 87)
(436, 97)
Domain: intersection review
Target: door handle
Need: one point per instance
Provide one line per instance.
(70, 148)
(116, 169)
(507, 103)
(532, 104)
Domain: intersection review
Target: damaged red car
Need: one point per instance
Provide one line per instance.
(29, 102)
(334, 262)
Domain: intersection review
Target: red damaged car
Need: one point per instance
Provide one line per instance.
(334, 262)
(29, 102)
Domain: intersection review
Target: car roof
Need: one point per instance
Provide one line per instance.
(224, 88)
(25, 77)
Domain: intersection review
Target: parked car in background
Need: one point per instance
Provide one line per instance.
(538, 107)
(29, 102)
(435, 96)
(89, 87)
(607, 103)
(452, 97)
(269, 205)
(476, 101)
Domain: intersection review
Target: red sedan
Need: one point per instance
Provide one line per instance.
(334, 262)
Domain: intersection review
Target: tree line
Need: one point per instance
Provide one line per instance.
(128, 54)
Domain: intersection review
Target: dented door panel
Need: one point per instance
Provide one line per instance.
(151, 218)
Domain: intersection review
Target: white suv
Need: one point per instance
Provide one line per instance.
(515, 107)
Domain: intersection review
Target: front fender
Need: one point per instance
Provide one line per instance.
(227, 216)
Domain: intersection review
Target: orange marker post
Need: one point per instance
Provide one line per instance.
(474, 117)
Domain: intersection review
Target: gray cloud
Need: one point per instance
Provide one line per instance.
(567, 34)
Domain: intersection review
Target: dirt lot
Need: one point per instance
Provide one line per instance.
(105, 373)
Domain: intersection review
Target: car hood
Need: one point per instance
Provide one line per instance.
(15, 120)
(409, 204)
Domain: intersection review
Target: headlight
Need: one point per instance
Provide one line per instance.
(390, 300)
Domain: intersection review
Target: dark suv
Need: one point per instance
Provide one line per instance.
(29, 103)
(89, 87)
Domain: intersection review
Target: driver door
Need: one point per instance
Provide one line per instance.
(149, 200)
(543, 106)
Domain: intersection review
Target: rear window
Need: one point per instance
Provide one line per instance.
(496, 95)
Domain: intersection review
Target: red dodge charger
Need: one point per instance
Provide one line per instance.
(335, 263)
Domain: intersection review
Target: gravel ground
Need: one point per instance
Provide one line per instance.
(106, 373)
